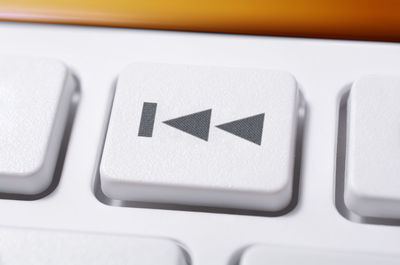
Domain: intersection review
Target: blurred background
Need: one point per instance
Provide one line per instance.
(352, 19)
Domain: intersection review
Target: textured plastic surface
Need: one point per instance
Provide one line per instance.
(264, 254)
(349, 19)
(372, 182)
(322, 68)
(35, 96)
(191, 161)
(42, 247)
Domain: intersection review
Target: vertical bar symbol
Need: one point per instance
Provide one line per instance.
(147, 119)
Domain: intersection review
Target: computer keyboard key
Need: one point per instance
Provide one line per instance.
(42, 247)
(265, 254)
(202, 136)
(35, 97)
(372, 178)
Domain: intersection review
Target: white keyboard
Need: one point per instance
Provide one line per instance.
(124, 146)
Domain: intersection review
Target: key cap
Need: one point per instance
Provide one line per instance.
(264, 254)
(372, 178)
(35, 96)
(41, 247)
(201, 136)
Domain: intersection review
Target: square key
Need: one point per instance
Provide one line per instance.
(202, 136)
(35, 100)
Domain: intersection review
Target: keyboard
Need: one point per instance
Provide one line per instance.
(133, 146)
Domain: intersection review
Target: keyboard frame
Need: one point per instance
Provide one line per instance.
(324, 70)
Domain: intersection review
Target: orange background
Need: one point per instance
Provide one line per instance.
(351, 19)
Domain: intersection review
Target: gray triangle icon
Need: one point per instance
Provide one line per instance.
(196, 124)
(250, 128)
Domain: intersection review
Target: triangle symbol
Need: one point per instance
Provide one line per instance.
(249, 128)
(196, 124)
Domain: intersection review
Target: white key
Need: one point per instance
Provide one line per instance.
(372, 181)
(40, 247)
(264, 254)
(202, 159)
(35, 96)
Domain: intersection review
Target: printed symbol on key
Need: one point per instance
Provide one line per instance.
(198, 124)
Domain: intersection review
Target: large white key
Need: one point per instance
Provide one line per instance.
(35, 96)
(221, 137)
(40, 247)
(372, 180)
(264, 254)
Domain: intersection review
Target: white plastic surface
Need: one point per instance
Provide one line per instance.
(264, 254)
(42, 247)
(322, 68)
(372, 186)
(35, 96)
(223, 170)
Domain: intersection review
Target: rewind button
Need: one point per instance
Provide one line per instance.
(202, 136)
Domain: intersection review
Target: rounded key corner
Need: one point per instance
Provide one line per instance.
(282, 194)
(361, 205)
(351, 201)
(37, 189)
(290, 77)
(287, 198)
(104, 184)
(249, 252)
(29, 184)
